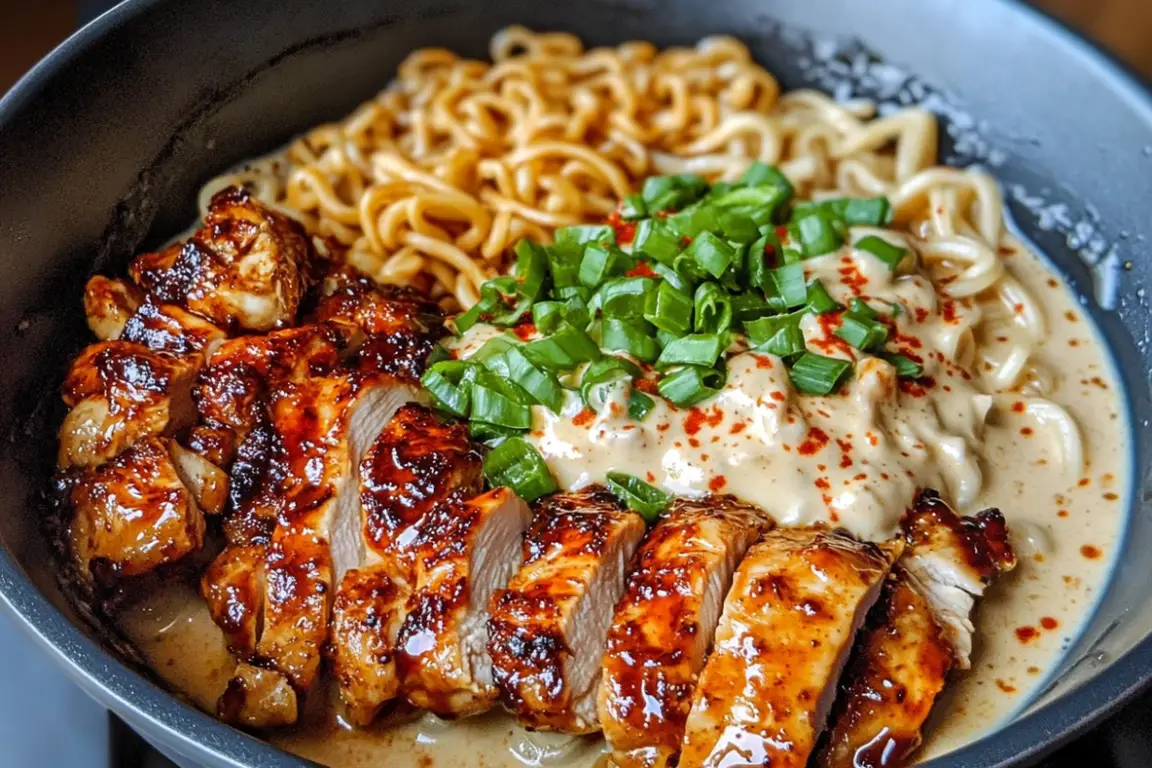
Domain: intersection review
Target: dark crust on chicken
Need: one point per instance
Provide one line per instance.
(899, 665)
(983, 538)
(124, 372)
(417, 463)
(168, 328)
(296, 611)
(233, 588)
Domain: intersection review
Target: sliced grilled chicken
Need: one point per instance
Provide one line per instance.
(206, 481)
(463, 553)
(785, 633)
(120, 393)
(916, 634)
(953, 559)
(169, 328)
(258, 698)
(664, 625)
(548, 627)
(399, 325)
(133, 514)
(233, 588)
(108, 303)
(324, 426)
(247, 267)
(416, 464)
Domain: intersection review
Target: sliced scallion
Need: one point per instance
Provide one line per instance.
(563, 350)
(702, 349)
(516, 464)
(865, 335)
(657, 240)
(531, 269)
(669, 309)
(713, 309)
(819, 300)
(790, 285)
(633, 208)
(711, 253)
(689, 385)
(636, 337)
(906, 367)
(817, 235)
(497, 400)
(639, 404)
(888, 253)
(640, 497)
(815, 374)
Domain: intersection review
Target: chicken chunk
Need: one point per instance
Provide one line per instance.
(415, 465)
(247, 267)
(233, 588)
(400, 326)
(206, 481)
(133, 514)
(108, 303)
(785, 633)
(548, 627)
(120, 393)
(463, 553)
(323, 427)
(169, 328)
(258, 698)
(664, 624)
(916, 634)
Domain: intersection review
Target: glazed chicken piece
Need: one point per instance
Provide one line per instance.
(121, 393)
(169, 328)
(548, 627)
(785, 633)
(664, 624)
(108, 303)
(400, 326)
(133, 514)
(207, 483)
(258, 698)
(463, 553)
(915, 635)
(245, 268)
(233, 588)
(416, 464)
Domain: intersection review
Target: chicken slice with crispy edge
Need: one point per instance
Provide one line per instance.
(172, 329)
(119, 393)
(233, 588)
(399, 325)
(247, 267)
(258, 698)
(463, 553)
(416, 464)
(108, 303)
(547, 629)
(916, 634)
(133, 514)
(786, 631)
(322, 427)
(664, 624)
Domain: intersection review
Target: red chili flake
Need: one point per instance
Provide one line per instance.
(693, 421)
(884, 475)
(921, 314)
(525, 331)
(778, 396)
(1084, 482)
(814, 442)
(949, 311)
(651, 477)
(917, 387)
(1026, 634)
(1090, 552)
(686, 240)
(782, 232)
(822, 483)
(1110, 496)
(1061, 513)
(853, 278)
(1018, 308)
(1049, 623)
(1004, 686)
(641, 270)
(908, 341)
(737, 428)
(1070, 316)
(769, 255)
(663, 427)
(714, 417)
(1026, 431)
(846, 449)
(829, 342)
(693, 442)
(873, 440)
(625, 230)
(1018, 406)
(762, 361)
(584, 418)
(646, 385)
(716, 483)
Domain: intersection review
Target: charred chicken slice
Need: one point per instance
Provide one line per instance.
(664, 624)
(169, 328)
(548, 627)
(246, 268)
(233, 588)
(133, 514)
(415, 465)
(121, 393)
(786, 630)
(399, 325)
(463, 553)
(108, 303)
(916, 634)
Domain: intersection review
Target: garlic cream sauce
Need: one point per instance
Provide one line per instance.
(853, 460)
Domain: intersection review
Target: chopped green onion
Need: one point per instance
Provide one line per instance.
(790, 256)
(446, 384)
(626, 296)
(498, 401)
(636, 337)
(564, 264)
(701, 349)
(713, 309)
(633, 208)
(888, 253)
(566, 348)
(689, 385)
(436, 355)
(639, 404)
(670, 309)
(818, 299)
(647, 500)
(749, 306)
(778, 334)
(602, 262)
(760, 175)
(518, 465)
(737, 226)
(606, 370)
(859, 308)
(760, 263)
(494, 347)
(657, 240)
(484, 431)
(661, 193)
(786, 343)
(585, 234)
(815, 374)
(711, 253)
(865, 335)
(531, 269)
(694, 220)
(539, 383)
(817, 235)
(872, 211)
(672, 277)
(547, 316)
(906, 367)
(790, 285)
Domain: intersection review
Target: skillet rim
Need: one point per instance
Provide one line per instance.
(189, 732)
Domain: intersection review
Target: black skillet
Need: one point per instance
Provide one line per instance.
(103, 145)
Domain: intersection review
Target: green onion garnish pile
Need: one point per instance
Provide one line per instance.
(706, 262)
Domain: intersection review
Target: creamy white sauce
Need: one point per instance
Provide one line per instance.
(1065, 522)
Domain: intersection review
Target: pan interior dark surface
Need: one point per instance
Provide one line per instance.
(103, 147)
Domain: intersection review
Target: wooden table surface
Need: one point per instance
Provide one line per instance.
(29, 30)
